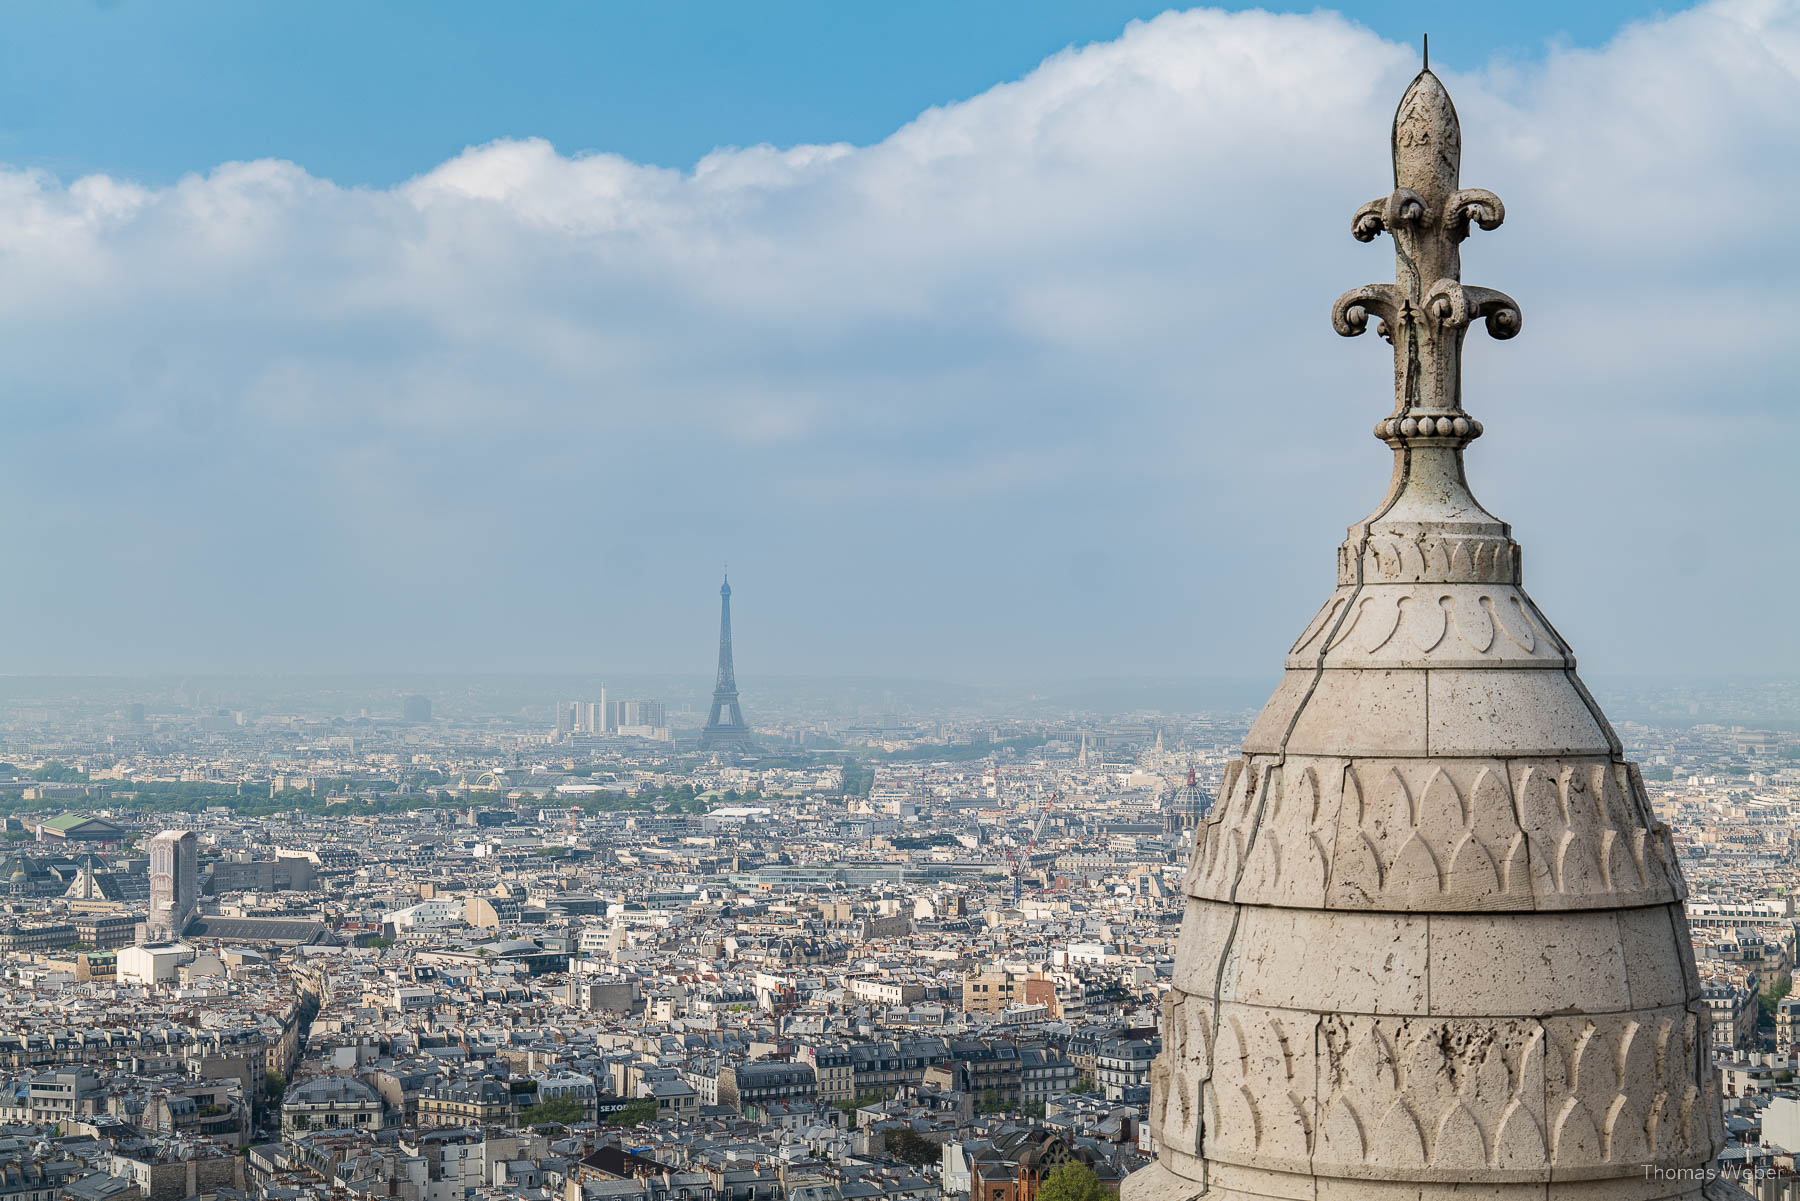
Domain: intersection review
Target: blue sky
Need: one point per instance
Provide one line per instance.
(364, 93)
(337, 341)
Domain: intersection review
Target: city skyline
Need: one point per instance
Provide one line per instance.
(1024, 854)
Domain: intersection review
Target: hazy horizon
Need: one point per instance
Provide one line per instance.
(1771, 700)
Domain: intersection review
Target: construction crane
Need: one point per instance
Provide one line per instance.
(1019, 861)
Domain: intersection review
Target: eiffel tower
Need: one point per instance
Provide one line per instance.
(725, 728)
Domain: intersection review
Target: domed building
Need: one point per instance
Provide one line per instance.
(27, 877)
(1186, 807)
(1433, 944)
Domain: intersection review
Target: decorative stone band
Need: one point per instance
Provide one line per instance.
(1429, 556)
(1438, 836)
(1423, 1099)
(1408, 625)
(1176, 1177)
(1440, 428)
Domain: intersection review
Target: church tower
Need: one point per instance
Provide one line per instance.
(1433, 943)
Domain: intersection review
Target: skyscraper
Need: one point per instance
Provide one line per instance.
(725, 728)
(1433, 945)
(174, 882)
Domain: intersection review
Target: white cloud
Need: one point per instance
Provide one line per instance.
(513, 412)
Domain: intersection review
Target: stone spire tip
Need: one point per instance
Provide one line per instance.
(1427, 309)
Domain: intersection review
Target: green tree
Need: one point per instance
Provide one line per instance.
(560, 1110)
(849, 1107)
(1072, 1181)
(635, 1114)
(911, 1147)
(858, 779)
(1778, 988)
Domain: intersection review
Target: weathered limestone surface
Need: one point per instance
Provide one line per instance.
(1434, 943)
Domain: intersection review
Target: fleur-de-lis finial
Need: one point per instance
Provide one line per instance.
(1426, 311)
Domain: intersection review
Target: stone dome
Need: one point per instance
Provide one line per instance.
(1433, 936)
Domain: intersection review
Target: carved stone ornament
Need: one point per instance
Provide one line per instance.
(1434, 939)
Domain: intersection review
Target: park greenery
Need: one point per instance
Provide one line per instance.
(910, 1147)
(1072, 1181)
(635, 1114)
(557, 1110)
(1772, 996)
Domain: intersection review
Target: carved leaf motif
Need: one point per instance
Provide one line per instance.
(1341, 1137)
(1372, 1062)
(1656, 1125)
(1474, 624)
(1519, 1142)
(1266, 863)
(1460, 1139)
(1540, 811)
(1575, 1138)
(1254, 1113)
(1377, 627)
(1627, 1128)
(1399, 1142)
(1370, 220)
(1306, 864)
(1318, 626)
(1159, 1093)
(1487, 1081)
(1443, 825)
(1443, 806)
(1586, 817)
(1428, 622)
(1472, 204)
(1500, 311)
(1357, 868)
(1491, 821)
(1518, 626)
(1350, 314)
(1471, 866)
(1415, 872)
(1579, 1053)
